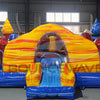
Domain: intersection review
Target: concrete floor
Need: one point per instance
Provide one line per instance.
(20, 94)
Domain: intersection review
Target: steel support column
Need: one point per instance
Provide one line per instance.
(98, 9)
(27, 9)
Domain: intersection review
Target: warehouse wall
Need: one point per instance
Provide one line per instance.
(38, 9)
(13, 7)
(98, 9)
(85, 9)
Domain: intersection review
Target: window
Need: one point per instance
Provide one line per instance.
(67, 17)
(50, 17)
(58, 17)
(62, 17)
(75, 17)
(3, 16)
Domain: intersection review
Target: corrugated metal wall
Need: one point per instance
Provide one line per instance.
(38, 9)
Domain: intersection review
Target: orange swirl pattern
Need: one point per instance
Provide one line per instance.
(21, 51)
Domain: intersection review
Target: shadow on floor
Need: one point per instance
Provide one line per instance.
(78, 93)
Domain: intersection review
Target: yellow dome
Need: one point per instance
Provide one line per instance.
(7, 28)
(82, 53)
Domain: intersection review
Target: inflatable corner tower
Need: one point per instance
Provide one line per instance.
(7, 28)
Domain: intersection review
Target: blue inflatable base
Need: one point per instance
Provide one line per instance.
(87, 79)
(18, 79)
(41, 92)
(82, 80)
(12, 79)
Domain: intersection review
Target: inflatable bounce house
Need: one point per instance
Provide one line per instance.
(96, 28)
(95, 37)
(96, 33)
(54, 61)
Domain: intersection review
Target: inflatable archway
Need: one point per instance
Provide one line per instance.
(44, 45)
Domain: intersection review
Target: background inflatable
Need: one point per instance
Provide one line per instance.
(96, 27)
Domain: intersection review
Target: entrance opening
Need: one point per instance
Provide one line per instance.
(51, 42)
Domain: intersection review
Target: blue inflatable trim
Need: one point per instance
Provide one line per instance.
(18, 79)
(94, 37)
(63, 92)
(1, 64)
(12, 79)
(13, 36)
(87, 79)
(96, 27)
